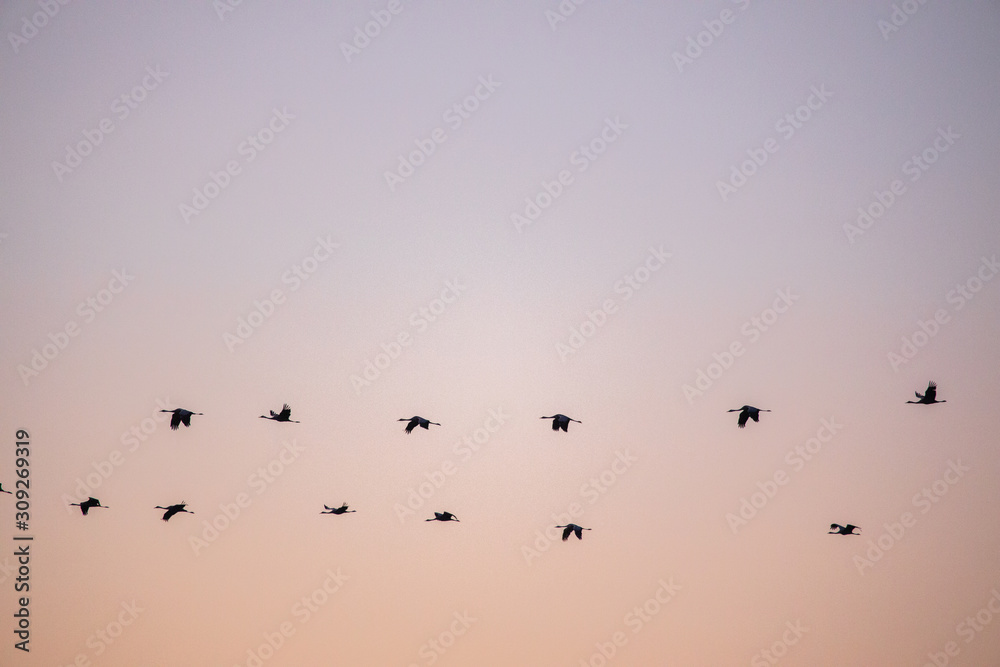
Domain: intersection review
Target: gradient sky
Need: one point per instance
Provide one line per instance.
(697, 167)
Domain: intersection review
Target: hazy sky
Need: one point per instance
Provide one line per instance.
(640, 215)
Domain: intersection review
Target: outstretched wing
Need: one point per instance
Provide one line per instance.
(175, 421)
(185, 417)
(744, 414)
(411, 425)
(931, 393)
(566, 532)
(285, 413)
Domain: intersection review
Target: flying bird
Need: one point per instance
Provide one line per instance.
(929, 396)
(747, 412)
(837, 529)
(443, 516)
(181, 416)
(417, 421)
(88, 503)
(573, 528)
(283, 416)
(3, 490)
(172, 510)
(560, 421)
(337, 510)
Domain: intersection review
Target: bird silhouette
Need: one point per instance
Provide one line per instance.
(443, 516)
(417, 421)
(88, 503)
(181, 416)
(3, 490)
(837, 529)
(929, 396)
(573, 528)
(172, 510)
(337, 510)
(747, 412)
(560, 421)
(283, 416)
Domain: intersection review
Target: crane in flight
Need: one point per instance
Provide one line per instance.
(88, 503)
(417, 421)
(747, 412)
(443, 516)
(283, 416)
(837, 529)
(181, 416)
(929, 396)
(337, 510)
(560, 421)
(572, 528)
(172, 510)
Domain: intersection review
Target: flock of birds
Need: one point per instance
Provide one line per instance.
(560, 422)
